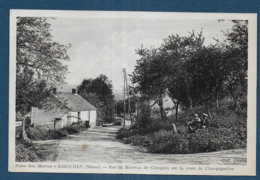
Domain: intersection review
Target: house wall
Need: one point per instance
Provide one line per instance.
(58, 124)
(72, 117)
(90, 116)
(84, 115)
(47, 126)
(93, 118)
(64, 121)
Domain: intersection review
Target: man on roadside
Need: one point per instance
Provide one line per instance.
(194, 124)
(205, 121)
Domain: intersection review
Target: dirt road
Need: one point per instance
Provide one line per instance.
(98, 145)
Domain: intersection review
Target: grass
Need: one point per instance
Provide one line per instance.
(33, 152)
(35, 133)
(227, 130)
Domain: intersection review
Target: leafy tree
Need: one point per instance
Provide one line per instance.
(207, 77)
(120, 105)
(149, 77)
(99, 92)
(178, 53)
(38, 62)
(235, 62)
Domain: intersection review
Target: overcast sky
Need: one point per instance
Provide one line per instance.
(105, 46)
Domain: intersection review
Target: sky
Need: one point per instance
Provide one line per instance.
(105, 46)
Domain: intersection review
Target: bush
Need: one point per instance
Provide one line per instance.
(227, 130)
(214, 139)
(124, 133)
(155, 126)
(25, 152)
(35, 133)
(57, 134)
(168, 142)
(44, 134)
(204, 140)
(75, 129)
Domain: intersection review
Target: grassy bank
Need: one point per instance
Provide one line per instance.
(35, 152)
(226, 131)
(31, 152)
(35, 133)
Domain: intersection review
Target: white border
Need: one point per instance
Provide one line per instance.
(249, 169)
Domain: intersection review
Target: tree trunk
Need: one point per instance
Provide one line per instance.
(205, 104)
(217, 105)
(176, 111)
(190, 101)
(24, 135)
(238, 109)
(161, 109)
(23, 128)
(210, 117)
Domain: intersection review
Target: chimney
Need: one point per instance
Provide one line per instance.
(74, 91)
(54, 91)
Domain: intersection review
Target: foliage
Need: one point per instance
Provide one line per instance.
(44, 134)
(217, 139)
(206, 140)
(75, 129)
(37, 133)
(228, 130)
(124, 133)
(149, 76)
(194, 74)
(30, 152)
(167, 142)
(99, 92)
(120, 105)
(235, 63)
(38, 63)
(25, 152)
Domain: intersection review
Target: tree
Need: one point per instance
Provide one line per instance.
(149, 77)
(235, 62)
(120, 105)
(39, 65)
(207, 77)
(99, 91)
(178, 53)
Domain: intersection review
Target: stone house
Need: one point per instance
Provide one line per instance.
(76, 110)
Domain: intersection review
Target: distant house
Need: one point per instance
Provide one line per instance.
(76, 110)
(168, 105)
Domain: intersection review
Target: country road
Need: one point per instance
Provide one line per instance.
(99, 145)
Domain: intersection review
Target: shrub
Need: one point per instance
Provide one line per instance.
(167, 142)
(72, 129)
(25, 152)
(226, 131)
(57, 134)
(75, 128)
(124, 133)
(141, 140)
(214, 139)
(44, 134)
(155, 126)
(204, 140)
(37, 133)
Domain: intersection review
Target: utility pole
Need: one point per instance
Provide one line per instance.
(129, 105)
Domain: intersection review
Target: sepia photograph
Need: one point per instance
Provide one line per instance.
(132, 92)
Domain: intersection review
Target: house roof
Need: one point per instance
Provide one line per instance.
(167, 102)
(72, 102)
(76, 103)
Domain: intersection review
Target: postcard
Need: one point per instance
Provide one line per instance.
(121, 92)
